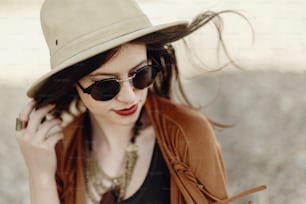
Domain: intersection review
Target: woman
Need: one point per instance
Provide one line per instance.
(126, 141)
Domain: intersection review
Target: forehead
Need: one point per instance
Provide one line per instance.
(128, 56)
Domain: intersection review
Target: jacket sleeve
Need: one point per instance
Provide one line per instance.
(205, 159)
(65, 175)
(204, 165)
(207, 166)
(192, 153)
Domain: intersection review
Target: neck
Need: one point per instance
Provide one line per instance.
(109, 136)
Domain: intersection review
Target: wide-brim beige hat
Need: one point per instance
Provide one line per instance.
(76, 30)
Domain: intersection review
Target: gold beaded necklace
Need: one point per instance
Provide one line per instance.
(98, 182)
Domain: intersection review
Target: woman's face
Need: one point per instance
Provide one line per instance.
(125, 107)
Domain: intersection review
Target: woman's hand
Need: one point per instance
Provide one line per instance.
(37, 142)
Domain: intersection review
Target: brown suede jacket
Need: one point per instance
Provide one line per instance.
(187, 142)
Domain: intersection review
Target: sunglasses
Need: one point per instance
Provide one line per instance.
(107, 89)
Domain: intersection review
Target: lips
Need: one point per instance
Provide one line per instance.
(127, 111)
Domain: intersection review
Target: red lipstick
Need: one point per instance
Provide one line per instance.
(127, 111)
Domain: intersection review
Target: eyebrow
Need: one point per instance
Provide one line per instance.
(113, 74)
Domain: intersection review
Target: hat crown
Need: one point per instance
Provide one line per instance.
(69, 24)
(76, 30)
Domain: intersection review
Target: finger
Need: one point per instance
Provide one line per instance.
(45, 128)
(24, 115)
(25, 112)
(37, 116)
(54, 138)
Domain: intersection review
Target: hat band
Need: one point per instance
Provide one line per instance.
(105, 35)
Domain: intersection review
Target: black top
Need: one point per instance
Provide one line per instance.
(156, 186)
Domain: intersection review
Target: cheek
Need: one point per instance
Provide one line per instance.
(142, 95)
(90, 103)
(85, 98)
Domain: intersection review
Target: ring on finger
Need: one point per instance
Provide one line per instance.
(21, 124)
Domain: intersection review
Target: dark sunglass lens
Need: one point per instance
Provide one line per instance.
(144, 77)
(105, 90)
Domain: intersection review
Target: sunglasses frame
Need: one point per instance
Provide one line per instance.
(89, 88)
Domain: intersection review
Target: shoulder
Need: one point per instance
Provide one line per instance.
(72, 135)
(185, 134)
(73, 124)
(190, 123)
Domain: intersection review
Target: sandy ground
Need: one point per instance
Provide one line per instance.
(267, 145)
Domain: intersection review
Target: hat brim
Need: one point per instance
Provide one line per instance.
(101, 47)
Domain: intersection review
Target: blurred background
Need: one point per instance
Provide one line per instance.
(265, 98)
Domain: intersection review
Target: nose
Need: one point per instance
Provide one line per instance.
(127, 92)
